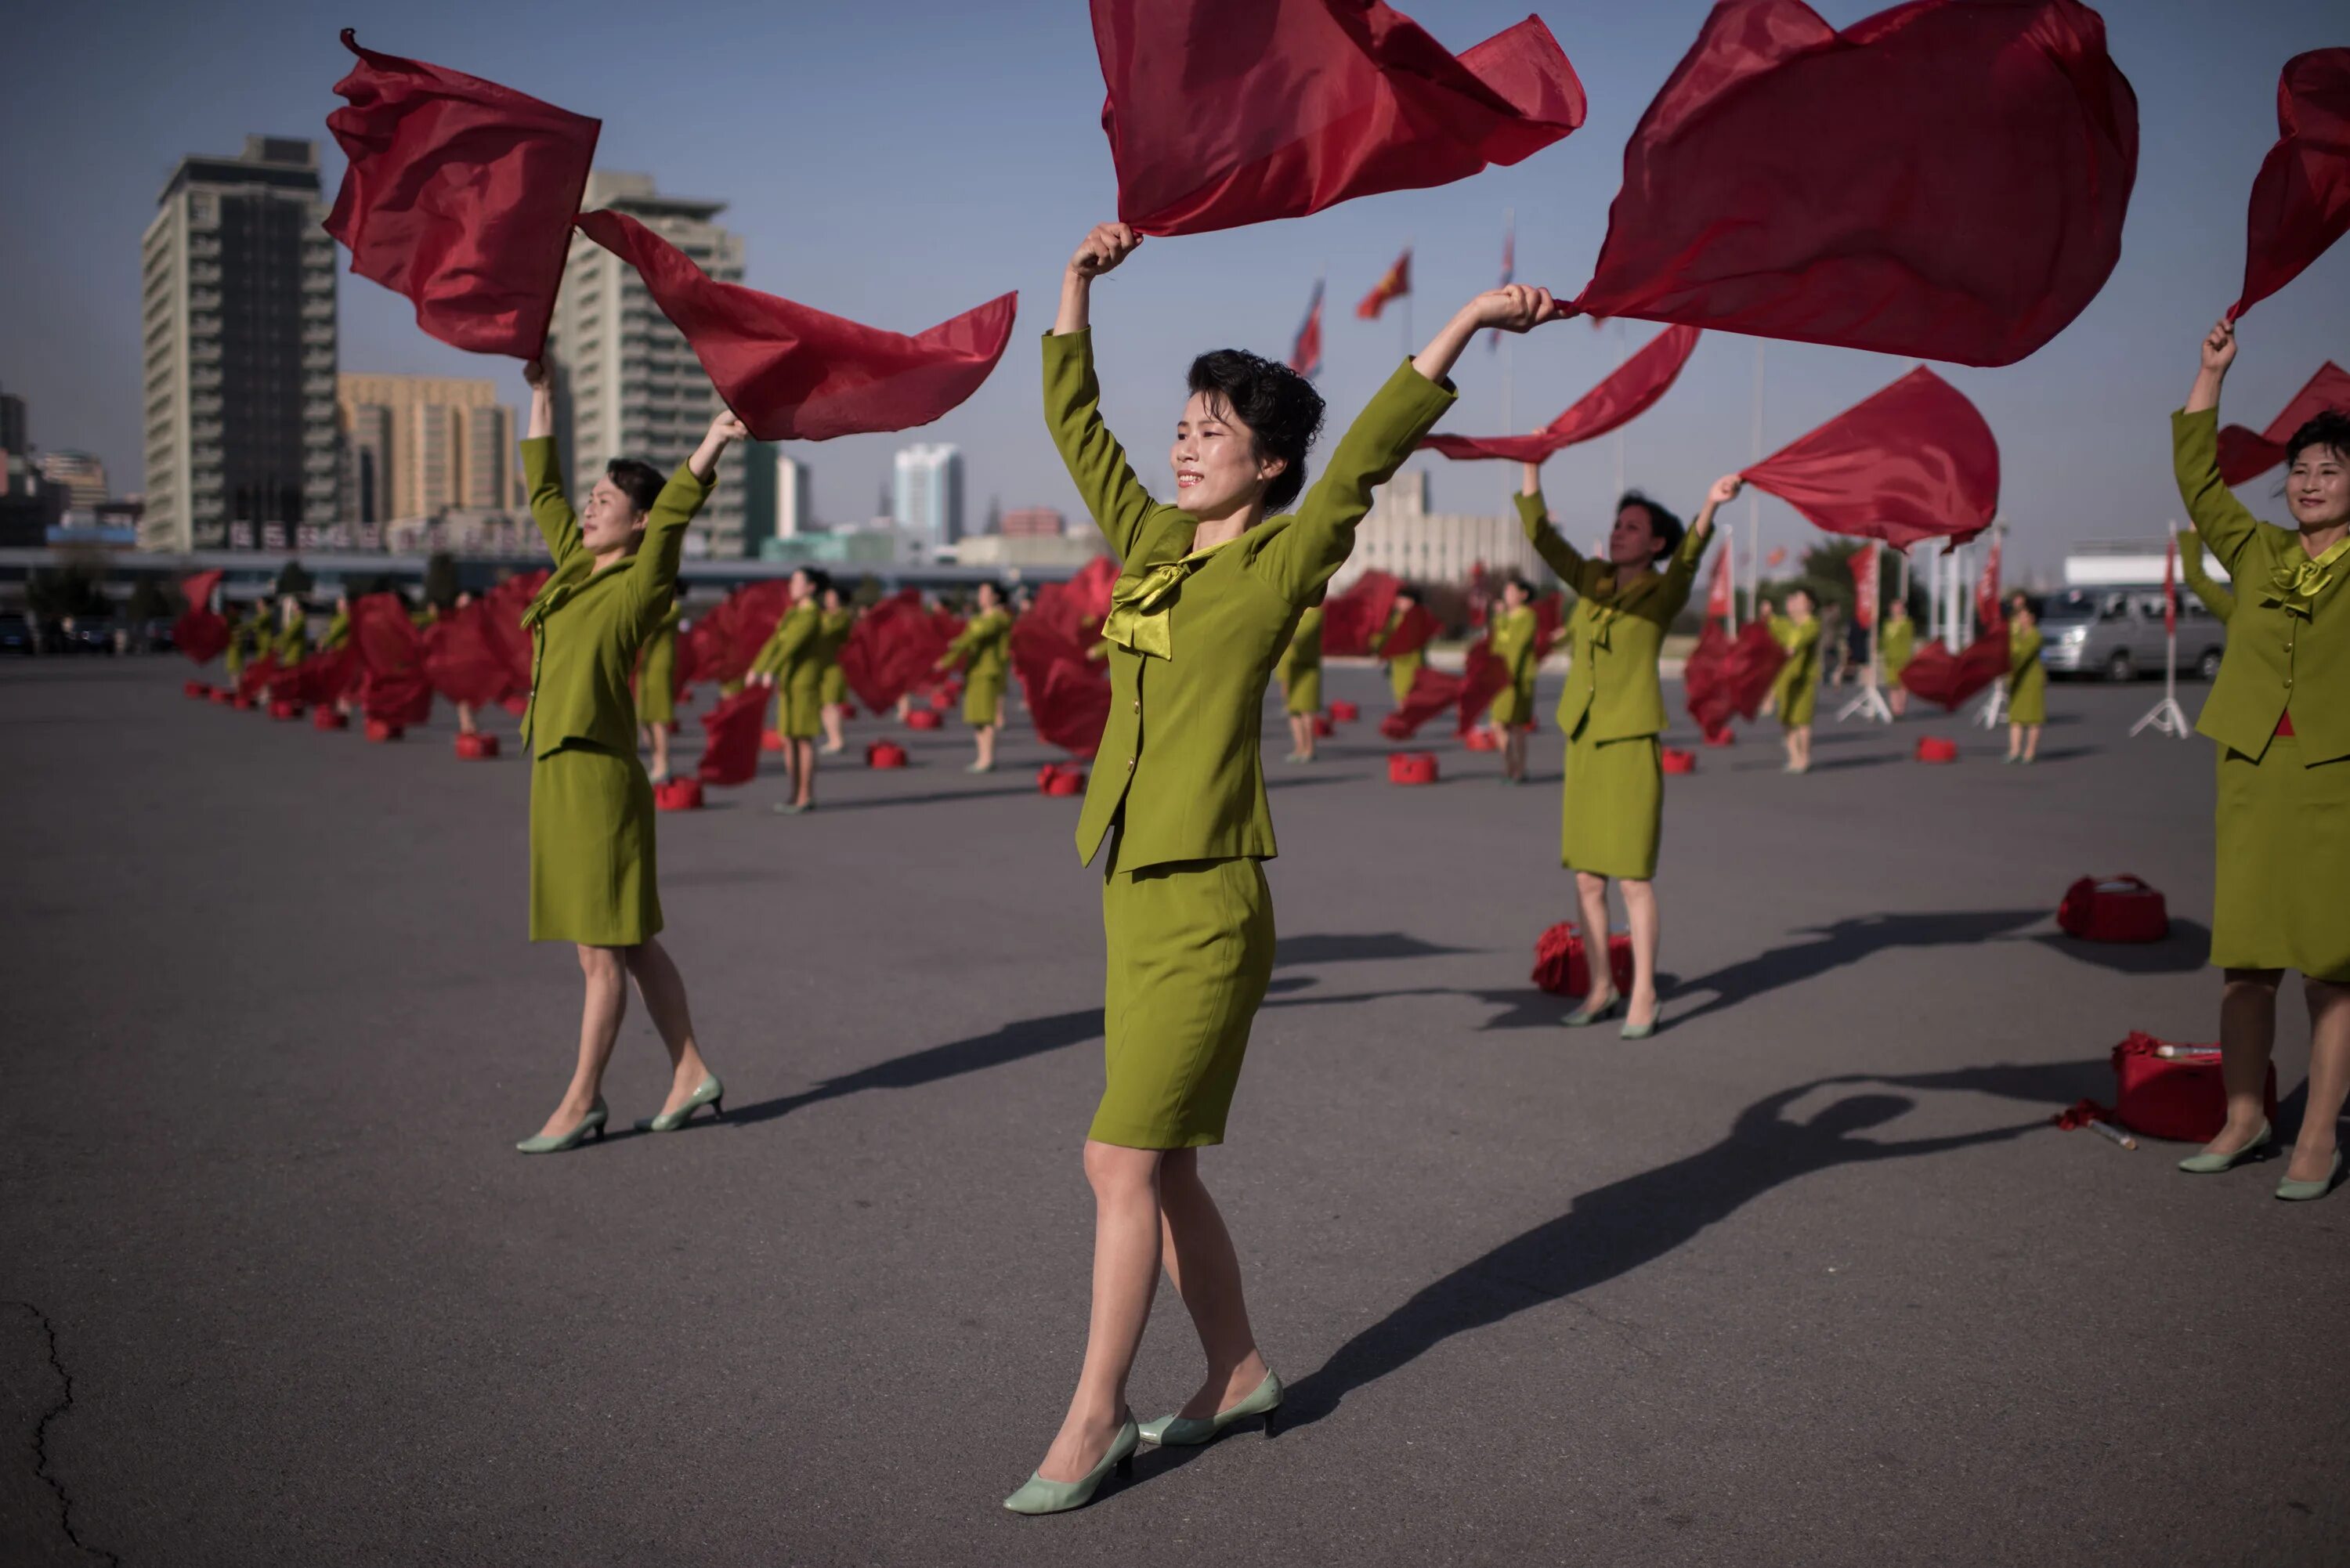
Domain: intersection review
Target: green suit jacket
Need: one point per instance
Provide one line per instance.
(587, 625)
(983, 649)
(794, 651)
(2221, 601)
(2274, 659)
(1615, 634)
(1177, 768)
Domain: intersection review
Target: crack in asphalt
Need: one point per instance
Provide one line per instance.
(41, 1439)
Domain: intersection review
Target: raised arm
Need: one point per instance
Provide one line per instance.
(1106, 481)
(1533, 516)
(2221, 601)
(1680, 572)
(653, 576)
(2218, 515)
(542, 470)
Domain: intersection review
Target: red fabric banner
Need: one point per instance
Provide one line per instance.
(391, 650)
(1305, 348)
(201, 632)
(1482, 676)
(1432, 691)
(2170, 585)
(1352, 619)
(2244, 456)
(459, 195)
(730, 753)
(1415, 629)
(1934, 676)
(1394, 284)
(792, 373)
(1946, 178)
(1623, 397)
(1862, 563)
(724, 643)
(464, 658)
(893, 647)
(1722, 595)
(2301, 198)
(1915, 462)
(1728, 675)
(329, 675)
(1987, 606)
(1068, 693)
(1224, 112)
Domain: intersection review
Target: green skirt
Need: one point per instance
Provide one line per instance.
(1513, 705)
(2284, 861)
(593, 876)
(1302, 692)
(1797, 699)
(2027, 695)
(1402, 670)
(799, 708)
(980, 700)
(656, 685)
(1191, 954)
(1613, 805)
(832, 691)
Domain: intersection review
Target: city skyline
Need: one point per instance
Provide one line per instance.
(1010, 175)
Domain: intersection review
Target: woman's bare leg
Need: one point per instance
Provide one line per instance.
(1591, 894)
(663, 990)
(2030, 742)
(1196, 1252)
(986, 734)
(802, 754)
(1126, 1276)
(660, 751)
(2246, 1032)
(1640, 914)
(2329, 1079)
(600, 1025)
(2015, 742)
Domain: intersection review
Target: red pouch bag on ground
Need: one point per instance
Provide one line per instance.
(1561, 968)
(677, 794)
(2116, 909)
(885, 754)
(1675, 760)
(1935, 749)
(1411, 767)
(2176, 1097)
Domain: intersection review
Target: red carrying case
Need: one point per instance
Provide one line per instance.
(1935, 749)
(885, 754)
(2177, 1097)
(1345, 712)
(677, 794)
(1561, 968)
(2114, 910)
(1676, 761)
(1411, 767)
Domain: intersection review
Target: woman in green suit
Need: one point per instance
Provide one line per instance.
(593, 878)
(2280, 713)
(1612, 712)
(791, 664)
(2027, 682)
(832, 691)
(1897, 645)
(1403, 668)
(982, 651)
(1212, 587)
(2217, 598)
(1796, 691)
(657, 687)
(1300, 674)
(1512, 639)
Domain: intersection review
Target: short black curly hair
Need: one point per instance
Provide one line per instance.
(1281, 409)
(1663, 527)
(2329, 429)
(639, 482)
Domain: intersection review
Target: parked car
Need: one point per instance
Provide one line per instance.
(89, 633)
(16, 636)
(2116, 633)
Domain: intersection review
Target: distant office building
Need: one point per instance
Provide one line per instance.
(1400, 535)
(82, 474)
(927, 498)
(795, 505)
(237, 303)
(416, 446)
(1033, 522)
(14, 441)
(626, 384)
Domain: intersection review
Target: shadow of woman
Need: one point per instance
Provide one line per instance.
(1848, 941)
(1615, 1229)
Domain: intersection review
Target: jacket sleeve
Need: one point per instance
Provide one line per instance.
(2218, 517)
(1680, 573)
(549, 508)
(1574, 569)
(2219, 601)
(1105, 480)
(653, 576)
(1299, 560)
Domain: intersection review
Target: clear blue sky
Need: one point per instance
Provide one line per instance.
(898, 162)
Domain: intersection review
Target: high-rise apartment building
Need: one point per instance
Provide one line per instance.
(927, 498)
(81, 473)
(1032, 523)
(795, 503)
(237, 301)
(626, 384)
(415, 446)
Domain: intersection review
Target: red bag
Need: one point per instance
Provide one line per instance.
(773, 741)
(2177, 1097)
(1345, 712)
(923, 719)
(1411, 767)
(677, 794)
(1724, 736)
(283, 708)
(477, 747)
(197, 689)
(2118, 909)
(1053, 778)
(328, 719)
(1677, 761)
(1322, 726)
(1935, 749)
(1561, 968)
(1481, 740)
(383, 730)
(221, 696)
(885, 754)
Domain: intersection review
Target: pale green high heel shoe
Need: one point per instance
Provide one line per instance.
(563, 1143)
(710, 1092)
(1041, 1496)
(2213, 1164)
(1586, 1013)
(2293, 1191)
(1190, 1431)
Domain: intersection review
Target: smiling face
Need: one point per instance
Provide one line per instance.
(1633, 541)
(2317, 488)
(609, 520)
(1217, 470)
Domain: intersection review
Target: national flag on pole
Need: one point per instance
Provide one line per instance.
(2170, 586)
(1987, 589)
(1719, 602)
(1509, 272)
(1395, 284)
(1863, 563)
(1777, 557)
(1305, 348)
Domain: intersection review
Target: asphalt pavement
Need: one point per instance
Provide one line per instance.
(1809, 1278)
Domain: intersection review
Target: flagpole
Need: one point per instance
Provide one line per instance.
(1754, 500)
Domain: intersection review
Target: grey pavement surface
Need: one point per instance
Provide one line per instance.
(1806, 1279)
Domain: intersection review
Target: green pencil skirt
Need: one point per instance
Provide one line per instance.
(2284, 863)
(2027, 694)
(1302, 692)
(832, 691)
(593, 875)
(799, 708)
(1191, 954)
(1612, 806)
(981, 699)
(1513, 705)
(1402, 670)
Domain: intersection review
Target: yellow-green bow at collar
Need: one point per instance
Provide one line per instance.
(2294, 589)
(1138, 609)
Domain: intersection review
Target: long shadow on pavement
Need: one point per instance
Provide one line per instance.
(2186, 949)
(1615, 1229)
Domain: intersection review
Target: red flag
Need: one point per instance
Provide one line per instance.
(730, 754)
(2170, 586)
(1224, 112)
(2301, 199)
(1934, 676)
(1069, 694)
(1414, 630)
(1721, 598)
(893, 647)
(201, 632)
(1623, 397)
(1305, 348)
(2244, 456)
(392, 650)
(792, 373)
(1482, 676)
(1432, 691)
(464, 658)
(1915, 462)
(1393, 285)
(1862, 564)
(1727, 675)
(1351, 619)
(1946, 178)
(1777, 556)
(1987, 608)
(460, 194)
